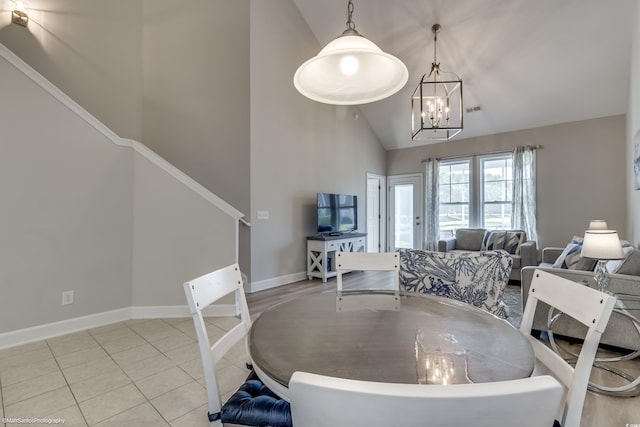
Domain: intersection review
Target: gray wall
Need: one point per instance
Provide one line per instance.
(66, 211)
(115, 224)
(177, 236)
(633, 128)
(298, 147)
(196, 95)
(90, 50)
(581, 172)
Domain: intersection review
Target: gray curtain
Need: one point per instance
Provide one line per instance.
(523, 213)
(431, 214)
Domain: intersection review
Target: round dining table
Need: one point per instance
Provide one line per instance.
(386, 337)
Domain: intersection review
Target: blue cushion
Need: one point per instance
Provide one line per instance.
(255, 405)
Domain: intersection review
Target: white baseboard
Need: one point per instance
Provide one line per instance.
(177, 311)
(63, 327)
(275, 282)
(69, 326)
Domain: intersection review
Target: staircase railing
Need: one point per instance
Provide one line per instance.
(140, 148)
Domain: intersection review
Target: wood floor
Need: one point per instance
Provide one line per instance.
(599, 411)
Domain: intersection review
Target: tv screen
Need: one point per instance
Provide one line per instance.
(337, 213)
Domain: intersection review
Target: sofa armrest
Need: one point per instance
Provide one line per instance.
(528, 253)
(550, 255)
(447, 244)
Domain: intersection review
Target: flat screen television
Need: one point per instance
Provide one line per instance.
(337, 213)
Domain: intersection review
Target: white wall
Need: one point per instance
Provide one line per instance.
(581, 172)
(298, 147)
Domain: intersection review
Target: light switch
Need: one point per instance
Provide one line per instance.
(263, 214)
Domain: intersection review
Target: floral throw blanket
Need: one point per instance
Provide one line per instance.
(476, 278)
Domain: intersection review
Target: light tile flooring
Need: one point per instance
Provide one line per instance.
(134, 373)
(149, 373)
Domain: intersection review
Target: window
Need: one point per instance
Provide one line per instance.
(497, 190)
(454, 194)
(475, 192)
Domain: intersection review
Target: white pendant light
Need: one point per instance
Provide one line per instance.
(350, 70)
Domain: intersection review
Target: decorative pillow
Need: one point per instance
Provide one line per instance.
(614, 265)
(469, 239)
(513, 241)
(630, 265)
(571, 258)
(477, 278)
(494, 240)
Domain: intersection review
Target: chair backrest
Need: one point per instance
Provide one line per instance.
(202, 293)
(320, 401)
(587, 306)
(476, 278)
(368, 261)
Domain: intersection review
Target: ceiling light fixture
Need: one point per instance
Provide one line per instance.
(350, 70)
(436, 105)
(19, 14)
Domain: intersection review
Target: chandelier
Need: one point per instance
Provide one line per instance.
(436, 104)
(350, 70)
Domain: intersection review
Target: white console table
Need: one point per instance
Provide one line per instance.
(321, 252)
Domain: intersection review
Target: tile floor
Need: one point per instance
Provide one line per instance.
(148, 373)
(133, 373)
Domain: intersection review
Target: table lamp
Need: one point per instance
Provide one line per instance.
(603, 245)
(598, 224)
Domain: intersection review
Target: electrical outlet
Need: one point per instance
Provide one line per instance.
(67, 297)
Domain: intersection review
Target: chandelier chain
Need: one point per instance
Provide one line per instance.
(435, 43)
(350, 24)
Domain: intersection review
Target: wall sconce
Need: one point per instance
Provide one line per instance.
(19, 14)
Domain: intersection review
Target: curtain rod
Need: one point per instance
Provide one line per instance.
(462, 156)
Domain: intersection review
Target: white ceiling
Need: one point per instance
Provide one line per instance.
(527, 63)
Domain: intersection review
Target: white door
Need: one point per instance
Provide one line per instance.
(375, 208)
(405, 211)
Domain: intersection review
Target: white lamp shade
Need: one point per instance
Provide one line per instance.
(350, 70)
(602, 244)
(598, 224)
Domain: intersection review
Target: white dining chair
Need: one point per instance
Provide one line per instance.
(321, 401)
(584, 304)
(368, 261)
(253, 404)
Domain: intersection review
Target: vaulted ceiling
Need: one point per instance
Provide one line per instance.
(525, 63)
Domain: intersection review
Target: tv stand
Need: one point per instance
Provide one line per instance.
(322, 248)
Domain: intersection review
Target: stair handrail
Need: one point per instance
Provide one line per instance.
(146, 152)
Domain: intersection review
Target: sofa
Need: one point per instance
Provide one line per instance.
(620, 332)
(476, 278)
(522, 251)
